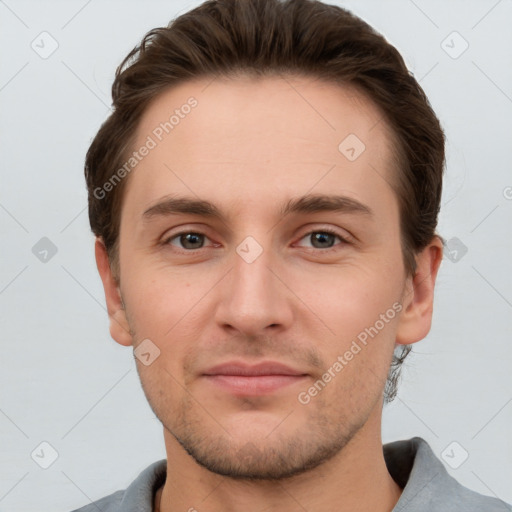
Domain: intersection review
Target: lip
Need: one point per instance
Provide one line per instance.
(244, 369)
(252, 380)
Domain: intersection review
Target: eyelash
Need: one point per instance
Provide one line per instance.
(344, 240)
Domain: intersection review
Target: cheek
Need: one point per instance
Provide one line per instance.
(361, 311)
(164, 300)
(348, 297)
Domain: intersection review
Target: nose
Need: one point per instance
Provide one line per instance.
(255, 296)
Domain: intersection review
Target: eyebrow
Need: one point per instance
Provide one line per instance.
(311, 203)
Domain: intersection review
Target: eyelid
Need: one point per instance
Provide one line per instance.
(315, 227)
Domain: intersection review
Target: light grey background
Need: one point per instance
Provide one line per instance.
(64, 381)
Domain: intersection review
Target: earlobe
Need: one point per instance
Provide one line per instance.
(418, 300)
(119, 327)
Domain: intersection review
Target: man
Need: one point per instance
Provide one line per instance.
(265, 197)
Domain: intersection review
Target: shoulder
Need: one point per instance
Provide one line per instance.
(110, 503)
(427, 485)
(448, 494)
(137, 497)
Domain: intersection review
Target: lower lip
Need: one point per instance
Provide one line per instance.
(254, 385)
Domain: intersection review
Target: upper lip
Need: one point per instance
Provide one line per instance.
(241, 368)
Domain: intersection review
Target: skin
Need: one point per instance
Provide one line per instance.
(248, 147)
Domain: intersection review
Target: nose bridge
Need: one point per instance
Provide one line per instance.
(252, 279)
(251, 264)
(254, 299)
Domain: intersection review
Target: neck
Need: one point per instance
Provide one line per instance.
(356, 479)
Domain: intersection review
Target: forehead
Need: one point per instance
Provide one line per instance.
(244, 139)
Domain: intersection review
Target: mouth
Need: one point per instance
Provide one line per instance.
(241, 379)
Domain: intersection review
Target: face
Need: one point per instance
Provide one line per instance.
(295, 261)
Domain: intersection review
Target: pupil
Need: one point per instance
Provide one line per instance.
(320, 237)
(190, 238)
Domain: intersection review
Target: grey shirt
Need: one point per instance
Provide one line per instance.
(427, 486)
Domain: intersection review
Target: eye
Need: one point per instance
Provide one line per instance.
(188, 240)
(324, 239)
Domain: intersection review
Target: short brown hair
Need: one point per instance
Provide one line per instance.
(266, 38)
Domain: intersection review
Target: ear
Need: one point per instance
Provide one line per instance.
(418, 299)
(119, 327)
